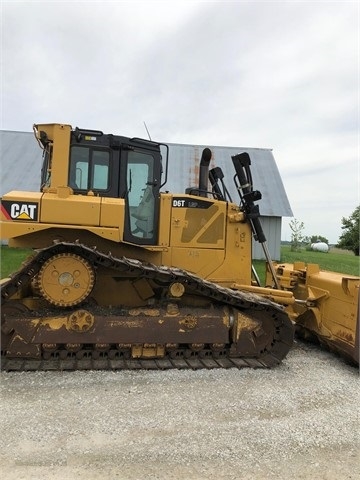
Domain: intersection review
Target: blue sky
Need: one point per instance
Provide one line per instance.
(282, 75)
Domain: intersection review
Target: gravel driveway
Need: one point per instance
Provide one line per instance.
(297, 421)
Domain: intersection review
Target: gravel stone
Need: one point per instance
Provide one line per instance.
(297, 421)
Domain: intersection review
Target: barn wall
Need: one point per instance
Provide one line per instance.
(272, 230)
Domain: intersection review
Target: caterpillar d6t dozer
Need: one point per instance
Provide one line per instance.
(125, 275)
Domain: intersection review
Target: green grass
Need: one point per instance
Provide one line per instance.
(260, 267)
(12, 258)
(336, 261)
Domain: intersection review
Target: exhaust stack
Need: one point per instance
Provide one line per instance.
(204, 172)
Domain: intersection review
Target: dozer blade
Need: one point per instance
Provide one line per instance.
(327, 307)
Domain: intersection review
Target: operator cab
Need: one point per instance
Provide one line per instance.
(119, 167)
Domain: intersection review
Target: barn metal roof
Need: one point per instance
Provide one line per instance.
(184, 166)
(21, 159)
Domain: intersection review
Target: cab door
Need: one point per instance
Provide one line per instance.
(141, 192)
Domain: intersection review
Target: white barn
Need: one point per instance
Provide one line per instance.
(21, 159)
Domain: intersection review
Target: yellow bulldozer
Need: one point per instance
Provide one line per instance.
(127, 275)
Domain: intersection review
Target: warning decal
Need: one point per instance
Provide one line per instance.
(13, 210)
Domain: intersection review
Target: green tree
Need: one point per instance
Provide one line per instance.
(297, 237)
(318, 238)
(349, 239)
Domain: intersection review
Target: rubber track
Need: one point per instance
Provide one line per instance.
(162, 274)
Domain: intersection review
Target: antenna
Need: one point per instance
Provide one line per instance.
(147, 131)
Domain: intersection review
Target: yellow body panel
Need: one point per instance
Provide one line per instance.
(102, 216)
(59, 134)
(73, 210)
(164, 219)
(22, 206)
(236, 267)
(200, 227)
(214, 243)
(112, 212)
(23, 196)
(203, 262)
(18, 233)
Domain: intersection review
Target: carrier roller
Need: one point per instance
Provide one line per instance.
(54, 317)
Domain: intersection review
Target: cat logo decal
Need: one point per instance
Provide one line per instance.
(27, 211)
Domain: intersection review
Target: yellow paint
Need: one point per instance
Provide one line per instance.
(79, 321)
(190, 321)
(53, 323)
(59, 136)
(73, 210)
(144, 311)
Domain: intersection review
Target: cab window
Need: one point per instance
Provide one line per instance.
(141, 195)
(89, 169)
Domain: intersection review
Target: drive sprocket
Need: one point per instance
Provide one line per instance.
(66, 279)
